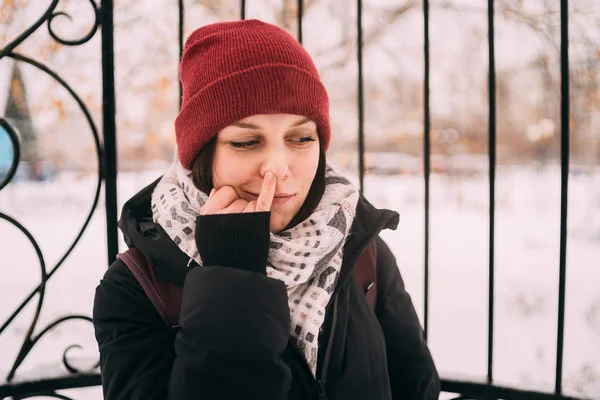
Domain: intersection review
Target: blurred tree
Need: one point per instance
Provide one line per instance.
(147, 84)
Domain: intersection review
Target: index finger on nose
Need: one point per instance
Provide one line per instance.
(267, 192)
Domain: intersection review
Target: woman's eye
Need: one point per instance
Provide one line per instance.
(306, 139)
(241, 145)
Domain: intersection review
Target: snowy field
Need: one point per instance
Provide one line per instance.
(527, 256)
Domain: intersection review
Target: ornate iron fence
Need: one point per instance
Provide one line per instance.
(107, 167)
(20, 389)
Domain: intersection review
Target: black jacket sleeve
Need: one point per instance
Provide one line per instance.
(234, 329)
(410, 366)
(136, 346)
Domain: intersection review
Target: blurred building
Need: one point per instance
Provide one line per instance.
(16, 111)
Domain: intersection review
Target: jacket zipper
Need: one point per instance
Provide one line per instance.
(321, 391)
(334, 322)
(320, 383)
(330, 341)
(320, 387)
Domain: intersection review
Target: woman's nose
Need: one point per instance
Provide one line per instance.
(277, 162)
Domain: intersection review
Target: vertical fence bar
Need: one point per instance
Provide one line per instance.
(242, 9)
(492, 182)
(426, 160)
(300, 14)
(564, 184)
(361, 108)
(181, 29)
(110, 130)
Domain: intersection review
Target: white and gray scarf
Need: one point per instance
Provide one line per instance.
(307, 257)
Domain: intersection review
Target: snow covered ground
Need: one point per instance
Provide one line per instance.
(527, 256)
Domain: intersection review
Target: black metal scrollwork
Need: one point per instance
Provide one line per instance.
(84, 39)
(29, 31)
(86, 378)
(55, 395)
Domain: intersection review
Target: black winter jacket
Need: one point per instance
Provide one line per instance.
(234, 340)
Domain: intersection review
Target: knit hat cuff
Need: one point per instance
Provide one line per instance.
(265, 89)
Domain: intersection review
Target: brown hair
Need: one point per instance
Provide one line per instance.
(202, 176)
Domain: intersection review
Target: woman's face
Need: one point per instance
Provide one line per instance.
(285, 144)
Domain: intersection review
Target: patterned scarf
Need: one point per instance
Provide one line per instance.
(307, 257)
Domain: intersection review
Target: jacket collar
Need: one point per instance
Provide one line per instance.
(368, 223)
(139, 230)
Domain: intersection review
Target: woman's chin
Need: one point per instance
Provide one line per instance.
(276, 228)
(278, 224)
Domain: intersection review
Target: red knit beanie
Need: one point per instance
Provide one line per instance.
(233, 70)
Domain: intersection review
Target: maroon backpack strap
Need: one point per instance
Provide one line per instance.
(365, 271)
(165, 297)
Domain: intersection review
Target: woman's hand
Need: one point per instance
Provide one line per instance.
(233, 232)
(226, 201)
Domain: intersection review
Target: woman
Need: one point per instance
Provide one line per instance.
(262, 235)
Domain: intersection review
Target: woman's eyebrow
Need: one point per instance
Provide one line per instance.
(301, 122)
(246, 125)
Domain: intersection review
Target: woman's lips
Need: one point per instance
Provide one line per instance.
(279, 199)
(282, 200)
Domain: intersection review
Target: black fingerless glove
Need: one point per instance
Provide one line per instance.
(234, 240)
